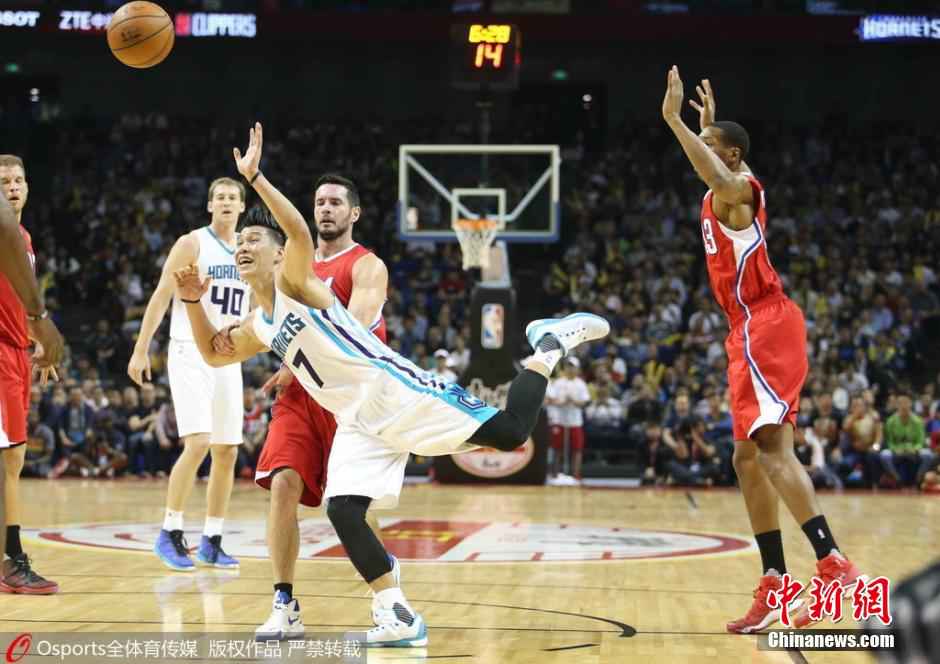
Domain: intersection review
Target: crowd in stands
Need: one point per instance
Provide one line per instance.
(854, 221)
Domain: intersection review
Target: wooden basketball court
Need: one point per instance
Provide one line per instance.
(530, 608)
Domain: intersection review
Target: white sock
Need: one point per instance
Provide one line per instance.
(213, 526)
(173, 520)
(549, 358)
(390, 596)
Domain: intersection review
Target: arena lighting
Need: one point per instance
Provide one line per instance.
(883, 27)
(216, 25)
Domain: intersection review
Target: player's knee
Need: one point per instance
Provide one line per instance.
(347, 514)
(224, 455)
(286, 485)
(13, 464)
(197, 445)
(745, 455)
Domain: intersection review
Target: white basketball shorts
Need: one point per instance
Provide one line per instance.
(206, 399)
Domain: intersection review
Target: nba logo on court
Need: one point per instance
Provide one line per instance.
(491, 336)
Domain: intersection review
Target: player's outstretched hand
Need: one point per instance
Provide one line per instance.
(249, 163)
(188, 284)
(139, 367)
(222, 340)
(280, 379)
(50, 346)
(672, 102)
(706, 110)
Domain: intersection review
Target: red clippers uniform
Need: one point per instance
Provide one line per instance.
(301, 433)
(15, 369)
(766, 345)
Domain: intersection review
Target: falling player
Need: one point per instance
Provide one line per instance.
(23, 316)
(294, 457)
(207, 400)
(385, 406)
(766, 348)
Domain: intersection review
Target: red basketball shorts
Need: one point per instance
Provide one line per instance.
(575, 438)
(767, 366)
(15, 375)
(300, 437)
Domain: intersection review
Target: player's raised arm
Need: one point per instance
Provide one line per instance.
(191, 288)
(731, 188)
(299, 250)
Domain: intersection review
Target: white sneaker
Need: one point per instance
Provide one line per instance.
(570, 331)
(398, 628)
(396, 574)
(284, 622)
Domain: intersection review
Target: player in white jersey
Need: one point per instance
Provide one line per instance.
(385, 406)
(207, 400)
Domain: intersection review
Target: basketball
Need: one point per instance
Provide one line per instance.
(141, 34)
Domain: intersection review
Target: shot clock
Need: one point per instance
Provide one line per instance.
(485, 56)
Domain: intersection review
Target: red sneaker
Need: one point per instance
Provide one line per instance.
(759, 616)
(19, 578)
(834, 567)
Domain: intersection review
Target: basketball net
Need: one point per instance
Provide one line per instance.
(476, 236)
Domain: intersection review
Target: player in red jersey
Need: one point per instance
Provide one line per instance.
(294, 457)
(766, 346)
(23, 317)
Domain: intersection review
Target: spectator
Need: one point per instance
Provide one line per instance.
(694, 462)
(75, 424)
(570, 395)
(655, 454)
(906, 456)
(859, 464)
(166, 448)
(811, 447)
(441, 370)
(141, 424)
(254, 432)
(97, 458)
(460, 356)
(40, 446)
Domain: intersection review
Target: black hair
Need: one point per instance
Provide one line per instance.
(352, 192)
(734, 135)
(259, 215)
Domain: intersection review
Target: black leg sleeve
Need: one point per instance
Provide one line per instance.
(365, 551)
(510, 428)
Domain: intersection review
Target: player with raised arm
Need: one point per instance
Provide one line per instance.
(297, 448)
(385, 406)
(23, 316)
(766, 347)
(207, 400)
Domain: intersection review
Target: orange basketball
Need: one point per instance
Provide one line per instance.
(141, 34)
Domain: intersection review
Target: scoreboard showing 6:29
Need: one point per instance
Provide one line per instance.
(485, 56)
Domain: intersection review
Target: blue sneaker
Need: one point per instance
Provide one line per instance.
(171, 549)
(570, 331)
(210, 553)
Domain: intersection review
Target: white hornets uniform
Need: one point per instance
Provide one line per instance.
(206, 399)
(385, 406)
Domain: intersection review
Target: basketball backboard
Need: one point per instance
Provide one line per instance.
(516, 185)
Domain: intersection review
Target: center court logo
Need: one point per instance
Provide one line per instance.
(433, 541)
